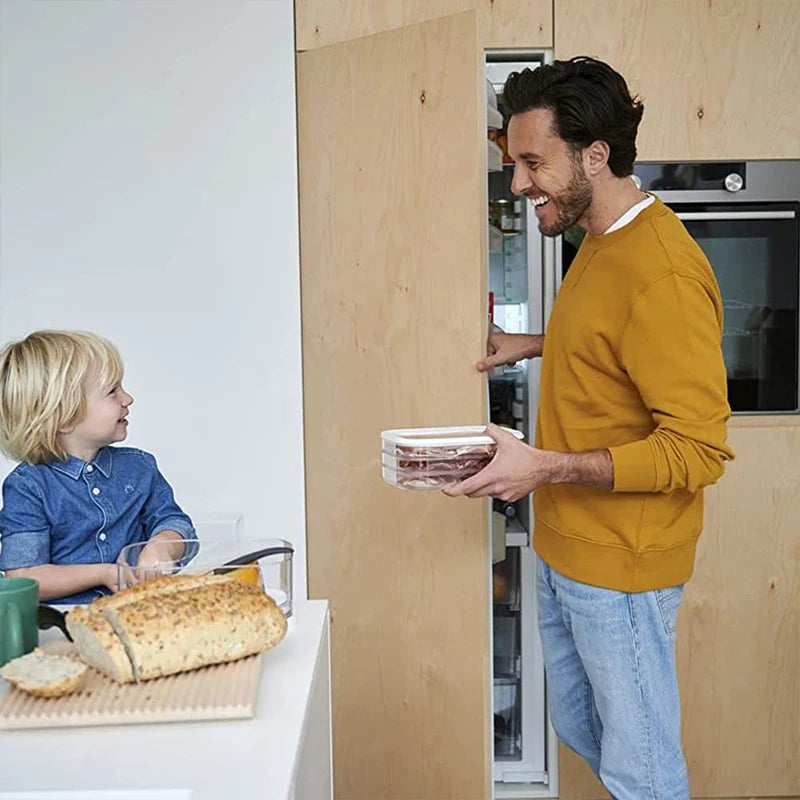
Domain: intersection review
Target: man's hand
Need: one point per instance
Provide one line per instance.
(508, 348)
(515, 470)
(518, 469)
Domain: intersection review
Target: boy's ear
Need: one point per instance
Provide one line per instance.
(68, 429)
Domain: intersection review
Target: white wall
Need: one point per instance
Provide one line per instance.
(148, 187)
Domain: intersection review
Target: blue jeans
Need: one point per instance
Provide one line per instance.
(611, 684)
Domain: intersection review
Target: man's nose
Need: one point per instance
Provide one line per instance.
(520, 182)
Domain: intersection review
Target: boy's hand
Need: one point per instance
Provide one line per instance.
(109, 576)
(166, 546)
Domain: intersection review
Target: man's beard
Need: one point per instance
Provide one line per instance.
(571, 204)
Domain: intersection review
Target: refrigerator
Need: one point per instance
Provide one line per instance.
(522, 286)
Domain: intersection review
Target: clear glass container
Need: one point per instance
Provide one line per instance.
(262, 562)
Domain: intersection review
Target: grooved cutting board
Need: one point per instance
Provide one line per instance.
(222, 691)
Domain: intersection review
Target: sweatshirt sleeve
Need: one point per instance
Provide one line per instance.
(671, 350)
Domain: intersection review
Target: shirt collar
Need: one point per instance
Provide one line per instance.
(73, 467)
(103, 461)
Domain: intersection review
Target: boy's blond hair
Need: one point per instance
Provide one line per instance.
(42, 389)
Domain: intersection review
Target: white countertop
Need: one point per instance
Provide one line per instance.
(217, 760)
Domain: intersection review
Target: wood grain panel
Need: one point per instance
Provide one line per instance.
(507, 23)
(739, 631)
(517, 23)
(322, 22)
(393, 281)
(719, 78)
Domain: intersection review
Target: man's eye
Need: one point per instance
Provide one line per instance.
(532, 165)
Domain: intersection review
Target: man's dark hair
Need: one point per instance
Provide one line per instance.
(590, 101)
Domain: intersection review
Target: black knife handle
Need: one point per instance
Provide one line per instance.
(50, 617)
(254, 556)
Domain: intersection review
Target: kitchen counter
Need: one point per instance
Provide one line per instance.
(283, 753)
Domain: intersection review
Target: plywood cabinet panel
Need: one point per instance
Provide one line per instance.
(517, 23)
(719, 78)
(393, 283)
(739, 630)
(506, 23)
(739, 643)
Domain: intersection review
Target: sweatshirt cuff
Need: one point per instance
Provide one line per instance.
(634, 467)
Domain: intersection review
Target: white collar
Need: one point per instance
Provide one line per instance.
(631, 214)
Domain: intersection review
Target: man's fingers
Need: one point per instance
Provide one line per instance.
(485, 364)
(498, 434)
(496, 360)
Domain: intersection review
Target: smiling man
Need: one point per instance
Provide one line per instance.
(632, 425)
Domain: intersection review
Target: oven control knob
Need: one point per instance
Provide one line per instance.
(734, 182)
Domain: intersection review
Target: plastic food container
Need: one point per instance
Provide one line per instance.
(430, 458)
(273, 572)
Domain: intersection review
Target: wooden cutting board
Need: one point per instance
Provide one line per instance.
(223, 691)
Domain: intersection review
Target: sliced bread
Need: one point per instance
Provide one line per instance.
(44, 675)
(212, 623)
(98, 643)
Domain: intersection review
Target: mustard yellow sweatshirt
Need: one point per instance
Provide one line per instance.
(632, 362)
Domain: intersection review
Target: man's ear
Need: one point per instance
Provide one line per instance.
(595, 157)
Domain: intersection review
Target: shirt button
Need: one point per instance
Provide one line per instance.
(103, 537)
(95, 491)
(89, 468)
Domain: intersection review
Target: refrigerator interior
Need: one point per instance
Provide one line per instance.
(524, 746)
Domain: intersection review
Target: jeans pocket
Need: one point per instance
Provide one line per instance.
(669, 601)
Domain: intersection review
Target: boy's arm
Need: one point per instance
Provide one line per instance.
(164, 521)
(25, 546)
(62, 580)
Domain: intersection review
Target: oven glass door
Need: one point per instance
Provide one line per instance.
(753, 249)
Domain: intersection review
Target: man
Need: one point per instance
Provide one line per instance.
(632, 426)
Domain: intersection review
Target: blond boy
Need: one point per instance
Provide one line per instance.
(74, 501)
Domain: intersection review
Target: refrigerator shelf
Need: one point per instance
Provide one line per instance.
(506, 680)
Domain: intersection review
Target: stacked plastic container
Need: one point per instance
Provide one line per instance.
(431, 458)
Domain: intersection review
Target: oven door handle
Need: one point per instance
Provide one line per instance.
(744, 215)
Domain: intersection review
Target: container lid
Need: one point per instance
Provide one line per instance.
(442, 437)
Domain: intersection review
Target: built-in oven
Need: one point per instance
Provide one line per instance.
(746, 218)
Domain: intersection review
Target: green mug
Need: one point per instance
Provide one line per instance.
(19, 611)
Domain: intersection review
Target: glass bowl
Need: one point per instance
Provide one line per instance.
(272, 570)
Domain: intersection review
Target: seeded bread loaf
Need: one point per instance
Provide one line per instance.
(167, 584)
(43, 674)
(168, 633)
(174, 624)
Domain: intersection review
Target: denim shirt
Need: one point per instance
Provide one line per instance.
(78, 512)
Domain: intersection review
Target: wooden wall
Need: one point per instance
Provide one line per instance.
(739, 628)
(393, 281)
(505, 23)
(720, 78)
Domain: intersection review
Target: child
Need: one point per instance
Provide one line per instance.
(74, 501)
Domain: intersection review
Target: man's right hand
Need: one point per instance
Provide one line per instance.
(508, 348)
